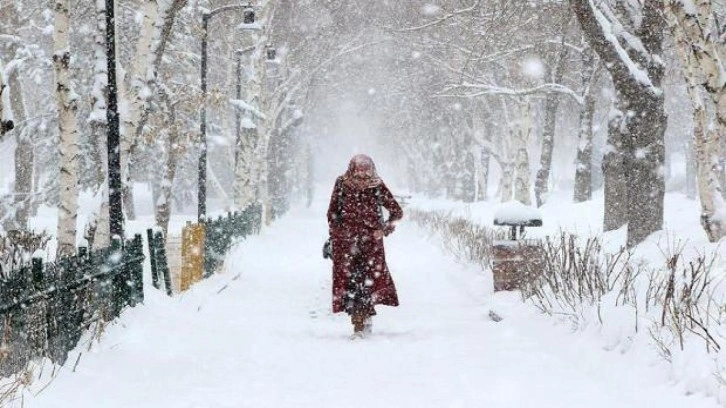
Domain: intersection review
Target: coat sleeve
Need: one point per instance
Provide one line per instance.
(334, 205)
(389, 203)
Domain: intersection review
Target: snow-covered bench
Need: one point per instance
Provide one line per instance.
(516, 260)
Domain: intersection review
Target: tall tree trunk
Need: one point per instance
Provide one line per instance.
(68, 146)
(522, 176)
(552, 101)
(636, 72)
(250, 184)
(506, 183)
(583, 165)
(646, 183)
(481, 153)
(615, 184)
(702, 68)
(136, 99)
(691, 176)
(163, 204)
(24, 154)
(97, 232)
(4, 111)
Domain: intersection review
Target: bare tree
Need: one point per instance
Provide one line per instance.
(628, 37)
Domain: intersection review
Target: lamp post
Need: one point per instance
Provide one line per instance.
(115, 208)
(248, 18)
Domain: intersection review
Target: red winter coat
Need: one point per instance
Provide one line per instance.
(352, 218)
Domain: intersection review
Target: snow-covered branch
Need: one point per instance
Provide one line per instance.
(441, 19)
(491, 90)
(246, 107)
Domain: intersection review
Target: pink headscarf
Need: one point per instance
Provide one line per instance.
(361, 173)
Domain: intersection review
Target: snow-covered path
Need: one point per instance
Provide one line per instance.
(261, 335)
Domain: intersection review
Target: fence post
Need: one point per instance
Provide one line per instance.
(152, 244)
(210, 248)
(136, 269)
(115, 257)
(161, 262)
(37, 270)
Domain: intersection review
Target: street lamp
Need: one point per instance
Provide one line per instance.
(249, 14)
(115, 208)
(248, 18)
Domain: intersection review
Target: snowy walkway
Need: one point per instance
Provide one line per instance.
(268, 340)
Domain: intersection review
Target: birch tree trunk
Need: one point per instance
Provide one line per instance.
(250, 184)
(68, 146)
(3, 100)
(583, 165)
(135, 96)
(694, 36)
(522, 183)
(98, 230)
(174, 150)
(157, 23)
(24, 155)
(245, 186)
(99, 93)
(552, 101)
(481, 154)
(691, 188)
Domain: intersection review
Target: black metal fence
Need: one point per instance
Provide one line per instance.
(219, 234)
(45, 308)
(158, 260)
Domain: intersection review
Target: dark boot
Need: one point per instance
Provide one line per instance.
(358, 320)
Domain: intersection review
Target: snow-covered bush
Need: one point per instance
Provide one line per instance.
(17, 249)
(675, 309)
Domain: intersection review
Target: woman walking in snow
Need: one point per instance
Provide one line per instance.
(361, 278)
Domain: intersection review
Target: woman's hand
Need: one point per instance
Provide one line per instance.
(385, 231)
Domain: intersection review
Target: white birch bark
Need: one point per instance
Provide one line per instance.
(68, 146)
(250, 184)
(135, 96)
(98, 230)
(4, 102)
(702, 68)
(481, 155)
(522, 177)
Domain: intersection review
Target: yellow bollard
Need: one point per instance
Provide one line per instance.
(192, 255)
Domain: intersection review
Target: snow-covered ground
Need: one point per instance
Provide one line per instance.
(261, 334)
